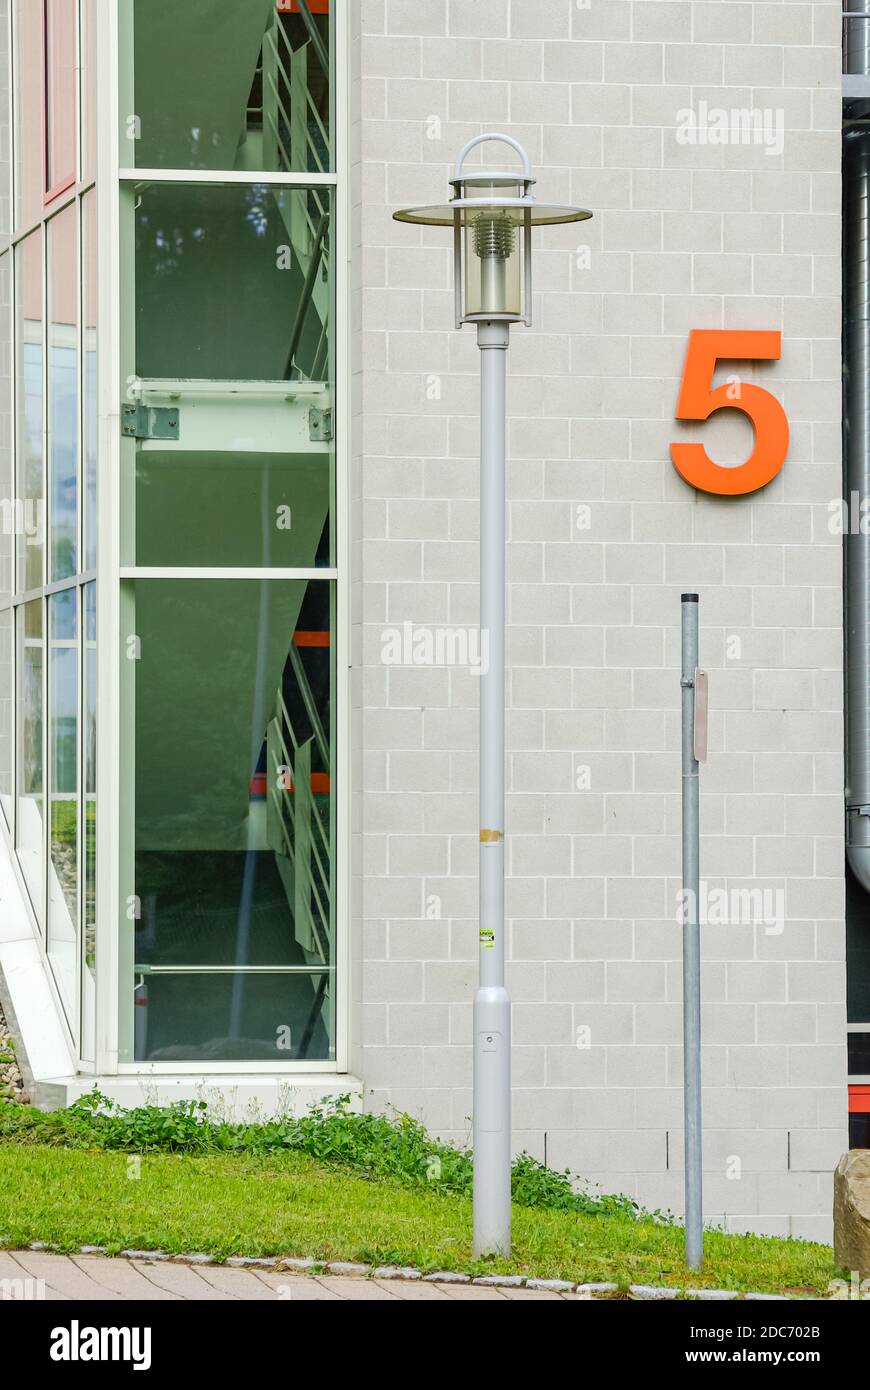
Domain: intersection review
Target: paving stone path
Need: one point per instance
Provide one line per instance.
(27, 1274)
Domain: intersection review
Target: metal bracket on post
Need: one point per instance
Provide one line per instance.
(150, 422)
(320, 429)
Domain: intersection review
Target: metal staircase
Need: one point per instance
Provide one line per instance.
(293, 137)
(295, 828)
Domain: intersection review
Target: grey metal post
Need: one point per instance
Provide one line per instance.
(492, 1008)
(691, 941)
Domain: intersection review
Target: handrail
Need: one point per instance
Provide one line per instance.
(315, 819)
(321, 131)
(314, 35)
(281, 805)
(285, 720)
(307, 292)
(271, 38)
(310, 707)
(319, 364)
(323, 935)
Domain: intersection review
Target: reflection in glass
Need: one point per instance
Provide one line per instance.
(30, 498)
(89, 375)
(61, 94)
(89, 812)
(7, 679)
(31, 851)
(63, 792)
(63, 391)
(232, 282)
(89, 89)
(8, 510)
(249, 85)
(29, 152)
(232, 821)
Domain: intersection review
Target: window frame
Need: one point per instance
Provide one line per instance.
(114, 176)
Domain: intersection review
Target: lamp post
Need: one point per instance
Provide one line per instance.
(492, 213)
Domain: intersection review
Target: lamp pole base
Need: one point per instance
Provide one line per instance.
(492, 1121)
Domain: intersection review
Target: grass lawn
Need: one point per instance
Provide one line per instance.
(292, 1204)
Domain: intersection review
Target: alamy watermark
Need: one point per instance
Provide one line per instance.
(419, 645)
(849, 516)
(78, 1343)
(734, 907)
(22, 1290)
(738, 125)
(23, 517)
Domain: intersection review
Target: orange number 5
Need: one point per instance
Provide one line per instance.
(698, 400)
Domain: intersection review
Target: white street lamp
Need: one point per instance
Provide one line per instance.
(492, 214)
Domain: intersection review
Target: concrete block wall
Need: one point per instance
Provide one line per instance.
(604, 535)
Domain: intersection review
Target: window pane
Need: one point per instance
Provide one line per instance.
(89, 372)
(233, 336)
(30, 524)
(29, 706)
(29, 150)
(7, 680)
(231, 783)
(63, 425)
(221, 274)
(10, 513)
(5, 127)
(89, 811)
(61, 94)
(63, 793)
(89, 89)
(230, 86)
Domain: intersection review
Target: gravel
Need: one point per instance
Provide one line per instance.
(11, 1085)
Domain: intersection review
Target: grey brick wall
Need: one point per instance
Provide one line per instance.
(684, 236)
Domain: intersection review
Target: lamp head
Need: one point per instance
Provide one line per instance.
(492, 213)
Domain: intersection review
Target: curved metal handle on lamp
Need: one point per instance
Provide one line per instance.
(492, 135)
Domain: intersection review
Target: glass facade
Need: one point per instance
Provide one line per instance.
(229, 779)
(227, 902)
(48, 473)
(244, 86)
(225, 921)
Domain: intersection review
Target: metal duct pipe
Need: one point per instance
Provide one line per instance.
(856, 445)
(856, 39)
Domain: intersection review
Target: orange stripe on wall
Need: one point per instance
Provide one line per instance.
(311, 639)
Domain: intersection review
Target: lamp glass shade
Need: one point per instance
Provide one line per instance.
(493, 260)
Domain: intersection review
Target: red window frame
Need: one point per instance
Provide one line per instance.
(50, 193)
